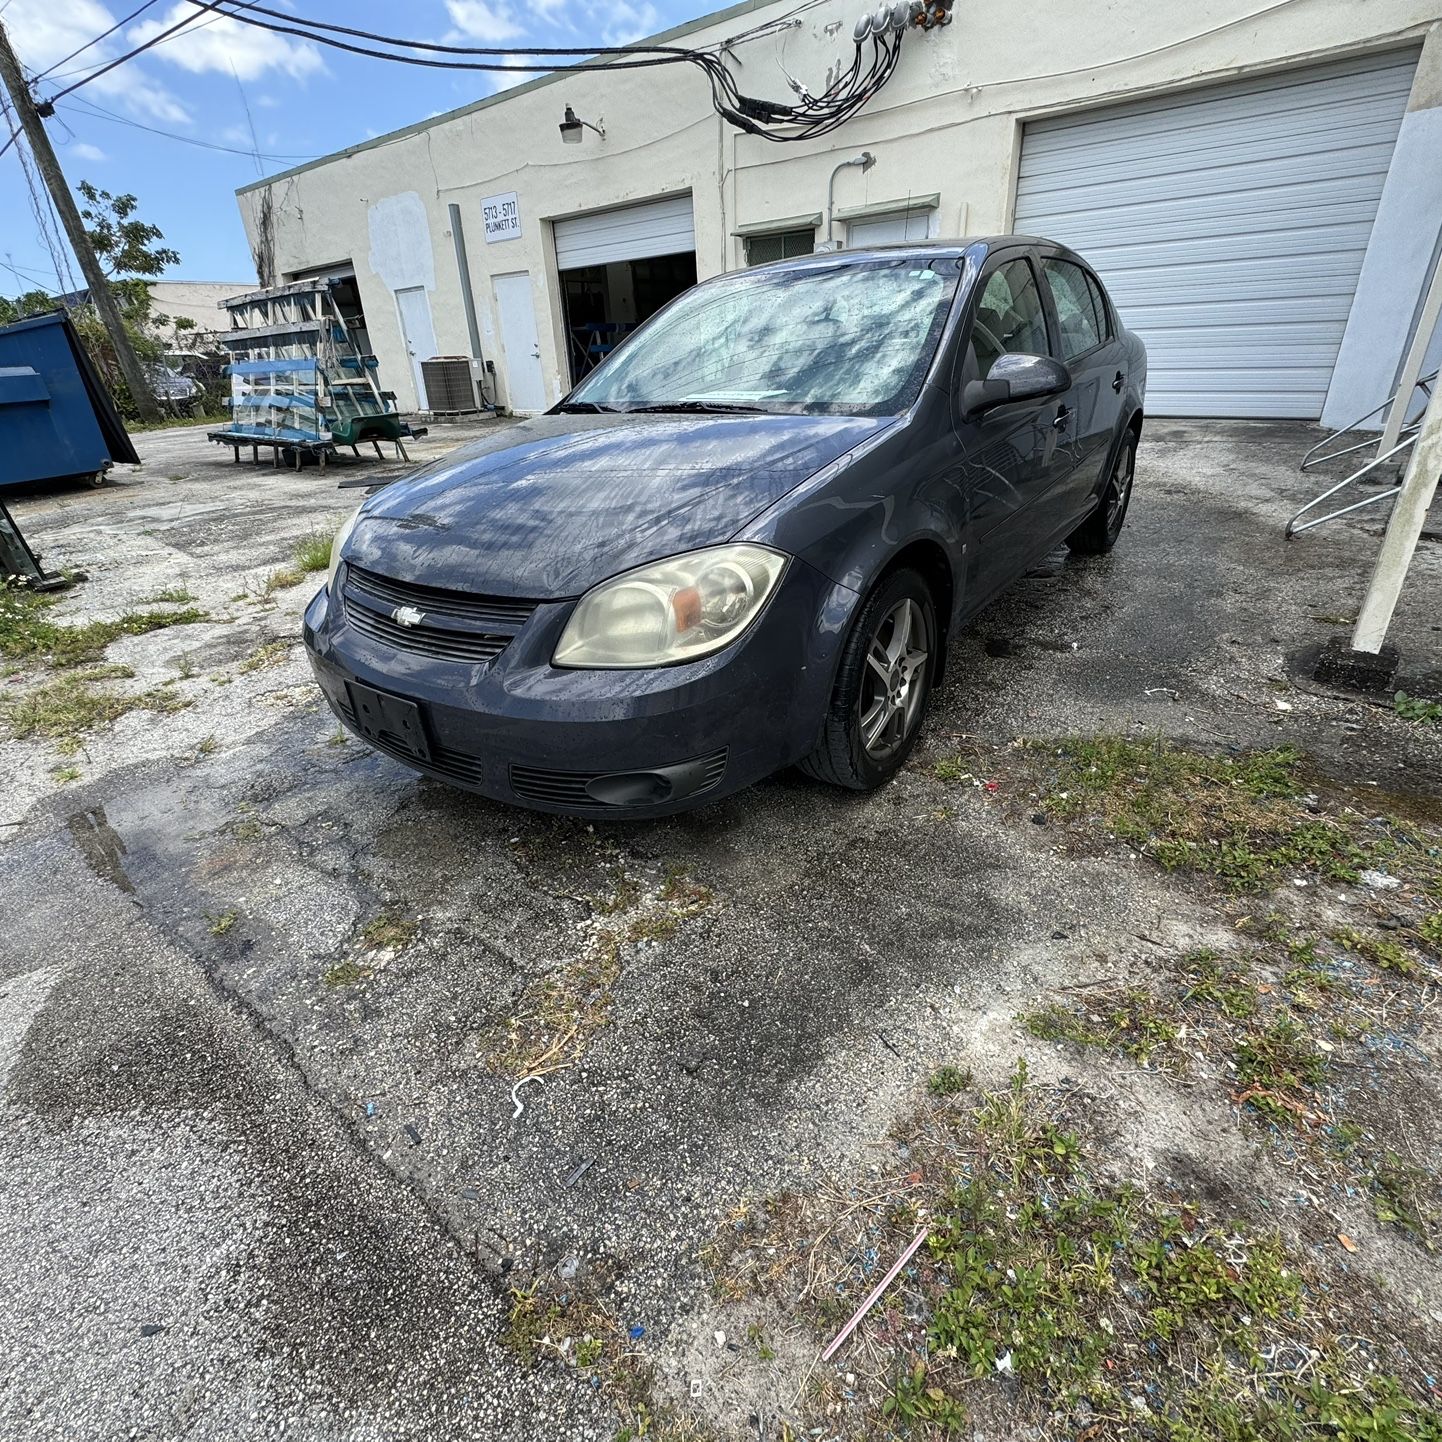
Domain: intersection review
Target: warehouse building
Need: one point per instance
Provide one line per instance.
(1259, 184)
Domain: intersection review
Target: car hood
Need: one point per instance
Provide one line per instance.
(548, 508)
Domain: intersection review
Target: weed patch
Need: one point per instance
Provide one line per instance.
(312, 551)
(272, 653)
(566, 1326)
(66, 709)
(27, 632)
(557, 1014)
(1071, 1304)
(1123, 1019)
(948, 1081)
(1290, 1055)
(348, 973)
(1416, 708)
(389, 931)
(1236, 819)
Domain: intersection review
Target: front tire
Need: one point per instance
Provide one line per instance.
(882, 687)
(1098, 533)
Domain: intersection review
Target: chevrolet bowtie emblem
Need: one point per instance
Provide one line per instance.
(407, 616)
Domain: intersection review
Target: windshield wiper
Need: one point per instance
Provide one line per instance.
(704, 407)
(586, 408)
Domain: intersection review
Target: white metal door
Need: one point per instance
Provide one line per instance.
(418, 333)
(525, 385)
(627, 232)
(1228, 223)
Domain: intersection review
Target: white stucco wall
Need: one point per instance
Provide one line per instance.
(949, 121)
(199, 300)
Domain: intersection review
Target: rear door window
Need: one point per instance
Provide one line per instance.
(1099, 301)
(1076, 307)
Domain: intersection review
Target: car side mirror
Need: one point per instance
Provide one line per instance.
(1015, 377)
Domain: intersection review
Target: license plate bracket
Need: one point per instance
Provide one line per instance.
(389, 721)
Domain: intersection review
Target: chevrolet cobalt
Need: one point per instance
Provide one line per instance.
(742, 542)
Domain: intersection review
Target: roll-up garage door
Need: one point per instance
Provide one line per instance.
(629, 232)
(1228, 223)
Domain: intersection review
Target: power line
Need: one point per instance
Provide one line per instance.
(84, 69)
(99, 112)
(104, 35)
(812, 116)
(809, 117)
(154, 40)
(24, 276)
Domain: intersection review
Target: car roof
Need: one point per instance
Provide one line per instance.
(928, 249)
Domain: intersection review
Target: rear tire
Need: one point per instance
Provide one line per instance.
(1098, 533)
(882, 687)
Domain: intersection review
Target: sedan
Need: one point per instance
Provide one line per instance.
(743, 541)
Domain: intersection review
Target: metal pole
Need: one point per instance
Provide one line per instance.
(468, 301)
(1405, 526)
(1416, 355)
(95, 278)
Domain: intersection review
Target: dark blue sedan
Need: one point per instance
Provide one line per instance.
(742, 542)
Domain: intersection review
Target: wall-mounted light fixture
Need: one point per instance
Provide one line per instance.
(573, 125)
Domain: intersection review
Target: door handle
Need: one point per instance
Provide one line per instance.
(1118, 382)
(1063, 415)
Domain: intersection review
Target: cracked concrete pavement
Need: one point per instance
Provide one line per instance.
(249, 1193)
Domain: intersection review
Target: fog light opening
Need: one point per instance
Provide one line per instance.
(630, 788)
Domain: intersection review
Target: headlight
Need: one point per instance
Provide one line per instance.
(672, 610)
(341, 537)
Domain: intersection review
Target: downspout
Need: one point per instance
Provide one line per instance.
(468, 303)
(865, 160)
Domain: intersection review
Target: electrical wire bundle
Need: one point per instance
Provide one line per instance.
(810, 116)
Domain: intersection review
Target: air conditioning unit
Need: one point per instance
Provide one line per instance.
(450, 385)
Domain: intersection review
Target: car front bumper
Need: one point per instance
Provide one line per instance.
(597, 742)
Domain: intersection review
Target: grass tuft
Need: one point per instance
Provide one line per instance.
(65, 709)
(27, 632)
(1234, 818)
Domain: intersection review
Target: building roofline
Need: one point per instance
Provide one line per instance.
(689, 27)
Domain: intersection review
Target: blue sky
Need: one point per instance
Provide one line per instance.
(302, 101)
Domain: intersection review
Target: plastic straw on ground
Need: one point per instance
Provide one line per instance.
(871, 1301)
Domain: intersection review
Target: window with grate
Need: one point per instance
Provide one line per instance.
(779, 245)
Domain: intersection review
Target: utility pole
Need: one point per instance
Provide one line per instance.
(100, 293)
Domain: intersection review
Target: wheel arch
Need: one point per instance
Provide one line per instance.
(928, 558)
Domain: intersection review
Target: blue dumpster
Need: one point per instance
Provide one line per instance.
(56, 420)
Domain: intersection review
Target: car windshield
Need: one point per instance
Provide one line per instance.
(854, 338)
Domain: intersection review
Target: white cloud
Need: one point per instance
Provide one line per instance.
(236, 135)
(83, 150)
(45, 31)
(224, 44)
(624, 23)
(265, 102)
(478, 20)
(500, 80)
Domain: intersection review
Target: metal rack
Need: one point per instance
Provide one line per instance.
(1389, 444)
(300, 384)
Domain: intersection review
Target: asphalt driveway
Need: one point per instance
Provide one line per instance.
(265, 996)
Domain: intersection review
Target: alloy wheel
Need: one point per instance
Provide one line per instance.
(893, 683)
(1120, 489)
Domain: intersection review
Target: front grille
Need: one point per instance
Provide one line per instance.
(568, 788)
(472, 629)
(456, 764)
(426, 640)
(499, 613)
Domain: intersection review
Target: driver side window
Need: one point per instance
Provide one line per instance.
(1009, 316)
